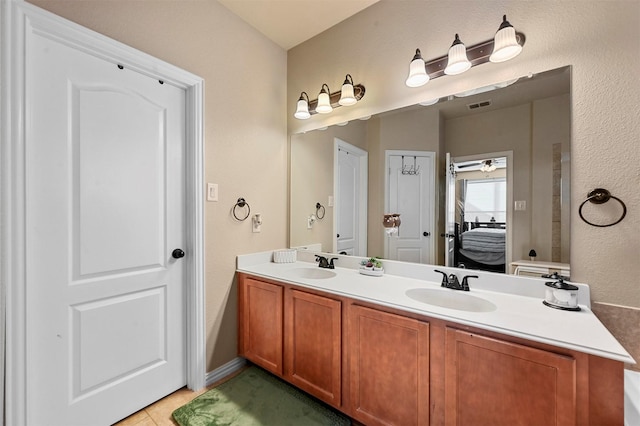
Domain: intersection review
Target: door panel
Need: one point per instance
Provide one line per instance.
(103, 192)
(105, 208)
(347, 202)
(412, 196)
(98, 361)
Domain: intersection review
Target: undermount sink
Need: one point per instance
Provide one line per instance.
(451, 299)
(312, 273)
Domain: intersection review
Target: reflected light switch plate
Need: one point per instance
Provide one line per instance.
(520, 205)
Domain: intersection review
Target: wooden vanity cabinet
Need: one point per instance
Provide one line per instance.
(313, 344)
(388, 368)
(260, 328)
(495, 382)
(383, 366)
(294, 334)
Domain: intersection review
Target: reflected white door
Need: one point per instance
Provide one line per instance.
(411, 194)
(105, 199)
(350, 201)
(450, 213)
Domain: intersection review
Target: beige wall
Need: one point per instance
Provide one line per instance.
(245, 127)
(312, 181)
(376, 46)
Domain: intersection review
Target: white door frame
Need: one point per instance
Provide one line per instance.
(18, 18)
(432, 225)
(509, 157)
(363, 157)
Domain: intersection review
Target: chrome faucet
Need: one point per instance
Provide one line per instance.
(451, 281)
(323, 262)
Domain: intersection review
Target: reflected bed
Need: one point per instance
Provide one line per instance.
(481, 246)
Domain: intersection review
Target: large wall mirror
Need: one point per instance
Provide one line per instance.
(487, 170)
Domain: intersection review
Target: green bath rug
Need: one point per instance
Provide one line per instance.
(256, 398)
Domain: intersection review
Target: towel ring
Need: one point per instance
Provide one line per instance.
(601, 196)
(241, 203)
(320, 208)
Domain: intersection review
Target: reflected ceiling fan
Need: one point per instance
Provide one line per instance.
(483, 165)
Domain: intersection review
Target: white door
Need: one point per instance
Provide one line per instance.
(411, 189)
(450, 213)
(105, 330)
(350, 200)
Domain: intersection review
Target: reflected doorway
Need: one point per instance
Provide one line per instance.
(479, 212)
(350, 179)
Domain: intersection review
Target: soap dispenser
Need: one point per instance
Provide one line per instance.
(559, 294)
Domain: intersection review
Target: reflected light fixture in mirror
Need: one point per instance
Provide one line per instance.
(324, 106)
(506, 44)
(457, 58)
(488, 166)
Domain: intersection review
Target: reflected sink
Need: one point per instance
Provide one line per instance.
(451, 299)
(312, 273)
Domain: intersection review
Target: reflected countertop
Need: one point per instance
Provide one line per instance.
(519, 310)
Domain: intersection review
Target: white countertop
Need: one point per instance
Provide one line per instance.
(519, 310)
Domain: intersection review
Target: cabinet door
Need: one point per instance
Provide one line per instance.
(494, 382)
(261, 311)
(313, 344)
(388, 368)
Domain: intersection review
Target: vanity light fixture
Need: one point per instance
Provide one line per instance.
(417, 71)
(349, 94)
(457, 58)
(324, 105)
(506, 44)
(302, 111)
(347, 97)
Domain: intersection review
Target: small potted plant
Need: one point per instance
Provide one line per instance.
(371, 266)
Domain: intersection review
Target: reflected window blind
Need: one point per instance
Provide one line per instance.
(486, 199)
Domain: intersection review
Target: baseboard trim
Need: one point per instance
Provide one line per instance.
(224, 370)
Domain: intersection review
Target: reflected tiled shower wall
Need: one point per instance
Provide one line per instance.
(556, 217)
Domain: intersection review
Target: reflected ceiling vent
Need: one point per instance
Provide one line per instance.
(480, 104)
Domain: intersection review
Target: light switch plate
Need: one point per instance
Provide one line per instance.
(212, 192)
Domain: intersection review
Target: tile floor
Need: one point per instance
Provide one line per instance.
(159, 413)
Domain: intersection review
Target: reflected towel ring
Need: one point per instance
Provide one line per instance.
(320, 208)
(601, 196)
(241, 203)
